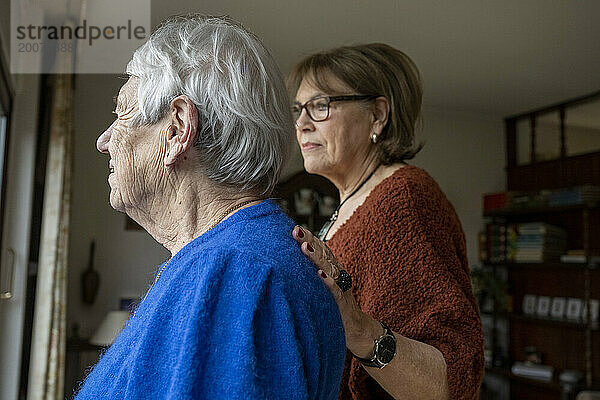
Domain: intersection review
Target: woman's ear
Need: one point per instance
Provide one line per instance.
(183, 132)
(381, 112)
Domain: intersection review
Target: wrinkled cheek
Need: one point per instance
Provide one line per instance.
(125, 168)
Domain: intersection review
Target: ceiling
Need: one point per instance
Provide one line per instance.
(492, 57)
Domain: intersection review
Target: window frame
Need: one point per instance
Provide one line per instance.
(6, 105)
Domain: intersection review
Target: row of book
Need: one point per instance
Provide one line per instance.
(587, 194)
(523, 242)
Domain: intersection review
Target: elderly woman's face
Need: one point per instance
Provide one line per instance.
(135, 153)
(336, 145)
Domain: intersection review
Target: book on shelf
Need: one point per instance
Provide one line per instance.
(540, 239)
(495, 242)
(535, 258)
(522, 242)
(540, 228)
(530, 370)
(535, 242)
(586, 194)
(513, 200)
(494, 201)
(579, 259)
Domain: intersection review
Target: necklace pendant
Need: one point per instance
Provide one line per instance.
(325, 229)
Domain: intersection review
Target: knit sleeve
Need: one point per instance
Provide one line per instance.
(413, 275)
(446, 316)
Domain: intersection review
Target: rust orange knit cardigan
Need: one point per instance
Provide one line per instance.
(406, 252)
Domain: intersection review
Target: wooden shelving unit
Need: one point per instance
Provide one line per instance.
(564, 344)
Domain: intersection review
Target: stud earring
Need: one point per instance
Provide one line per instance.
(374, 138)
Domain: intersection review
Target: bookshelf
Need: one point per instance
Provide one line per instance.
(564, 344)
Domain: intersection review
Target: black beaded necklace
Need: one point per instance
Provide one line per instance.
(325, 229)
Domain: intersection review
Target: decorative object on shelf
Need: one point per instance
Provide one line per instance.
(573, 309)
(558, 307)
(488, 289)
(532, 355)
(109, 329)
(500, 359)
(570, 382)
(488, 357)
(304, 201)
(578, 257)
(528, 200)
(537, 372)
(90, 279)
(594, 310)
(588, 395)
(543, 306)
(327, 205)
(529, 304)
(305, 198)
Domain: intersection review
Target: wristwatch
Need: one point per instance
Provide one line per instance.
(385, 350)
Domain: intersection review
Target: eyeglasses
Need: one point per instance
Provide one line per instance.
(317, 108)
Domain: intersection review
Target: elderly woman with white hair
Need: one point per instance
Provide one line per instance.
(202, 129)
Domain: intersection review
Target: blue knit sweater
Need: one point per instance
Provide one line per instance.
(239, 313)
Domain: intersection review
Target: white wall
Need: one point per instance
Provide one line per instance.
(465, 153)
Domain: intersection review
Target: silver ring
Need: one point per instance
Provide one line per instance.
(344, 280)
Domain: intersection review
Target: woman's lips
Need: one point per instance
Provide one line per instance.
(310, 146)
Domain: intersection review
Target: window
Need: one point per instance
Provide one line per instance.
(5, 108)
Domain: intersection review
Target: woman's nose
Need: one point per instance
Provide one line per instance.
(103, 139)
(304, 122)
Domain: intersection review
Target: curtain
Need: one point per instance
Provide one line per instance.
(46, 370)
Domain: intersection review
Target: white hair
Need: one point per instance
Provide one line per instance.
(244, 123)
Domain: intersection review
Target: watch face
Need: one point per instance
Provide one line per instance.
(386, 349)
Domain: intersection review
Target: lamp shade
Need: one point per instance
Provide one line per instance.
(110, 327)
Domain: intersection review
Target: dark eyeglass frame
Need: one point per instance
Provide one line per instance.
(348, 97)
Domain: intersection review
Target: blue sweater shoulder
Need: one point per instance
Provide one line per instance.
(238, 313)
